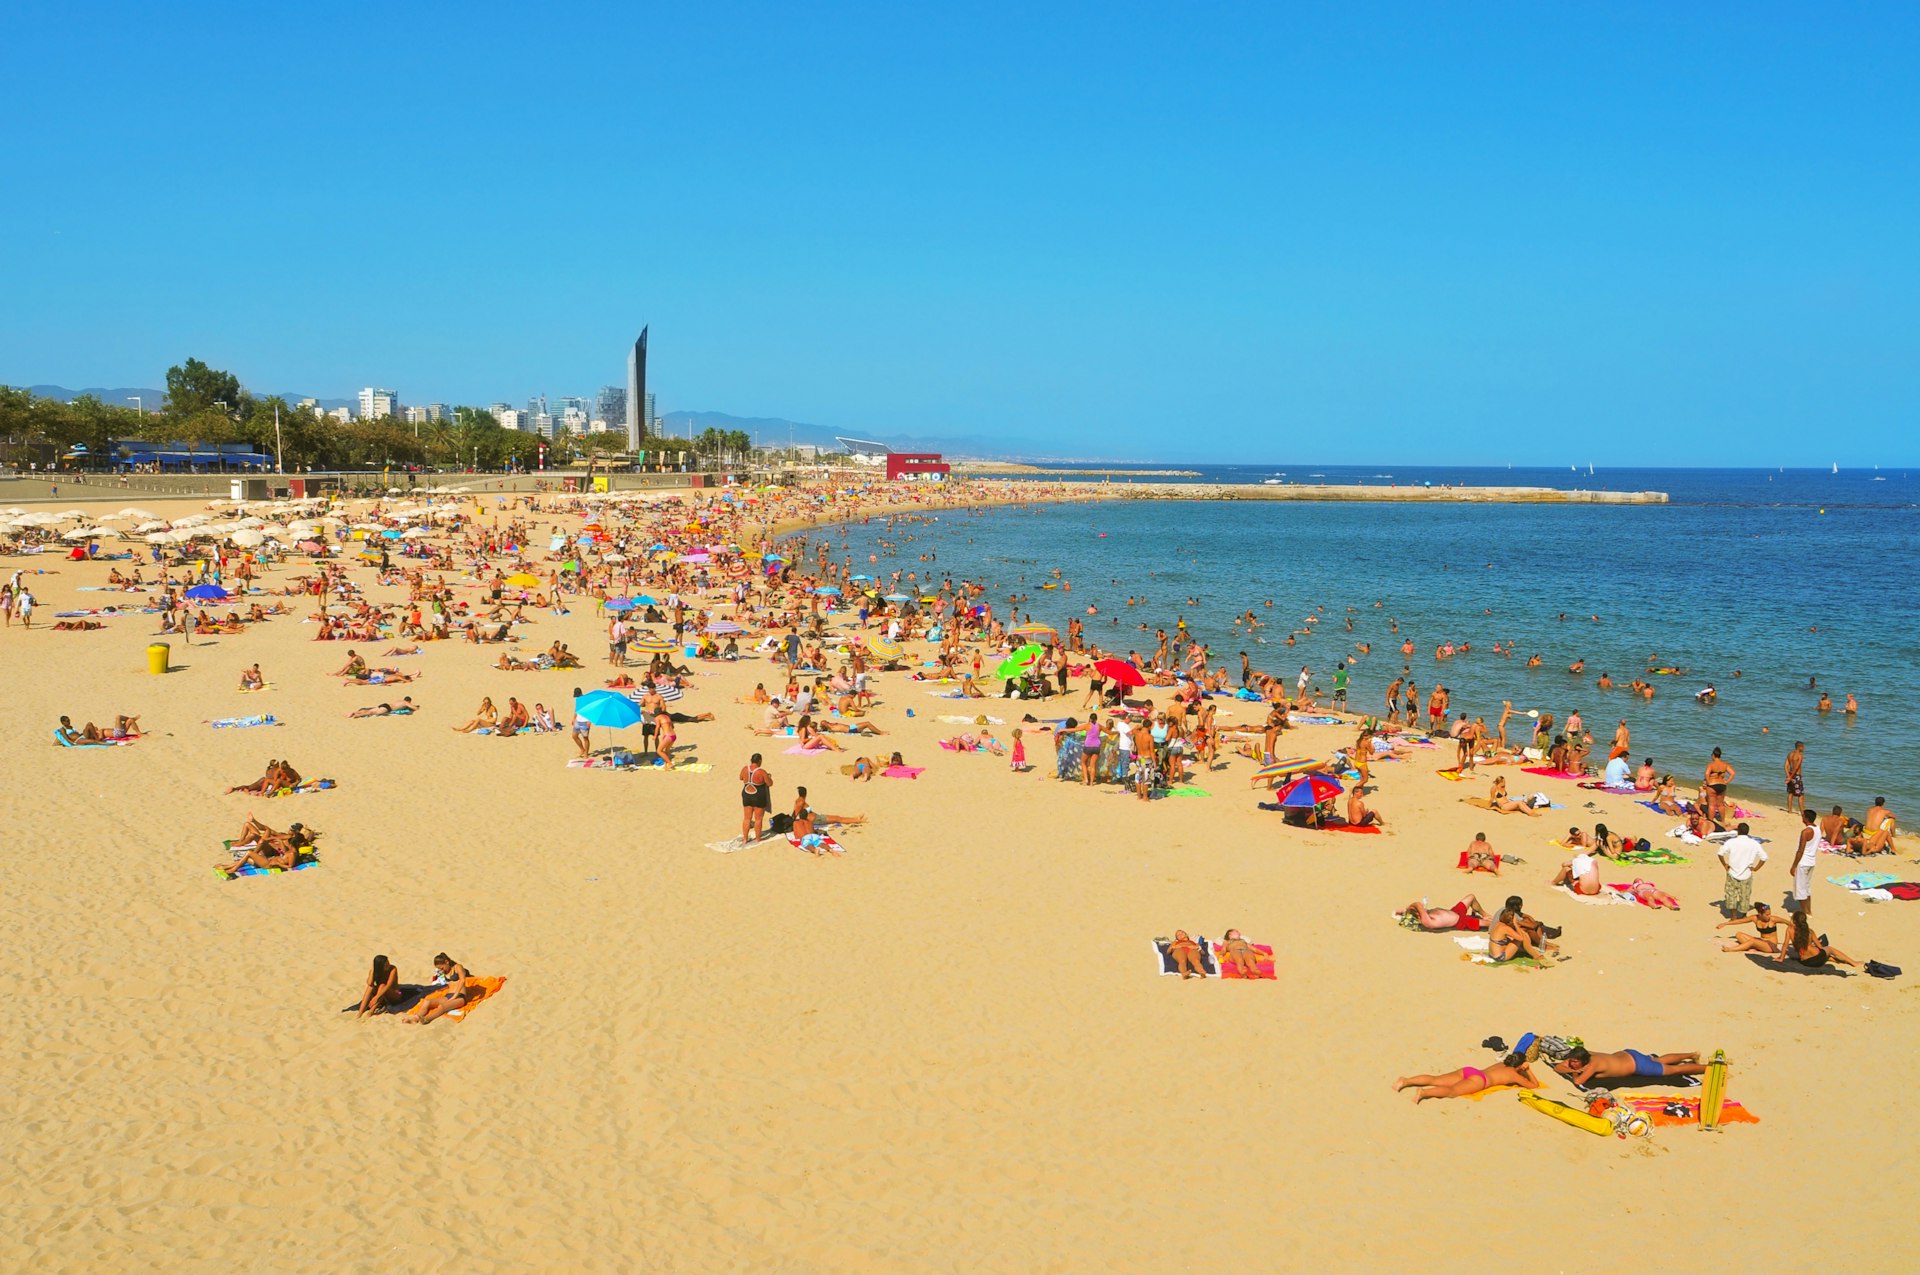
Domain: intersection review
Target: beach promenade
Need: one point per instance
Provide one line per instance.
(950, 1049)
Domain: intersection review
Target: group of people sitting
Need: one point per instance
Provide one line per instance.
(124, 727)
(267, 848)
(1511, 932)
(452, 988)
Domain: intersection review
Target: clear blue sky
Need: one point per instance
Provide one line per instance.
(1334, 232)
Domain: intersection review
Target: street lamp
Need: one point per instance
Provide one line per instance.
(137, 404)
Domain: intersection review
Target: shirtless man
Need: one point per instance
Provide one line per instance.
(1359, 813)
(1796, 786)
(1393, 699)
(1878, 828)
(1583, 1067)
(1467, 914)
(1833, 828)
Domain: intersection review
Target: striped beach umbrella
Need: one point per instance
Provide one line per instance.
(1034, 632)
(650, 644)
(885, 648)
(1283, 767)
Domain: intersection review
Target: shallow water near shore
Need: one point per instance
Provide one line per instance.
(1718, 582)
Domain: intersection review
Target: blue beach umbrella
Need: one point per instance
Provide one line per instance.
(608, 708)
(898, 597)
(617, 604)
(207, 593)
(1309, 791)
(827, 591)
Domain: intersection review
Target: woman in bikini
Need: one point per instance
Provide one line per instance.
(383, 987)
(1242, 955)
(1186, 956)
(1508, 940)
(1497, 800)
(1766, 936)
(1466, 1080)
(1811, 950)
(488, 716)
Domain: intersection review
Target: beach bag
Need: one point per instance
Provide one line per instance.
(780, 825)
(1880, 969)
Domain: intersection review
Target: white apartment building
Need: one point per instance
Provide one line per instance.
(509, 418)
(377, 403)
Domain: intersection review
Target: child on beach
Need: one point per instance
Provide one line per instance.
(1019, 760)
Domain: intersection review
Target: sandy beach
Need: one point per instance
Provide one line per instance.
(948, 1050)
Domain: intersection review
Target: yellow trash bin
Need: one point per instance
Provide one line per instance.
(157, 653)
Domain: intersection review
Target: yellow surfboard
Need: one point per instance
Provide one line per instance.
(1568, 1115)
(1714, 1093)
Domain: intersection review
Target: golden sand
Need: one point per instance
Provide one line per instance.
(947, 1051)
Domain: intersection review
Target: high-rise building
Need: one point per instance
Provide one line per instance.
(377, 403)
(541, 423)
(639, 424)
(537, 405)
(341, 414)
(610, 404)
(415, 415)
(573, 417)
(437, 411)
(497, 409)
(652, 418)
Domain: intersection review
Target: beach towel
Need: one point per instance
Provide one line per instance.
(599, 763)
(688, 767)
(1188, 790)
(957, 720)
(1166, 962)
(1596, 786)
(1551, 773)
(1657, 855)
(1265, 966)
(816, 843)
(1451, 775)
(304, 787)
(241, 723)
(1667, 1112)
(1906, 891)
(305, 862)
(1317, 719)
(255, 690)
(1498, 859)
(1361, 829)
(730, 845)
(903, 772)
(64, 742)
(1606, 896)
(1864, 880)
(487, 988)
(1475, 948)
(801, 750)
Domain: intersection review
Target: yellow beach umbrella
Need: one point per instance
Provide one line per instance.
(522, 580)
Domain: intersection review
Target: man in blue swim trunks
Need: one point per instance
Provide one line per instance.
(1583, 1067)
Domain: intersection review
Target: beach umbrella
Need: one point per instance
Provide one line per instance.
(899, 597)
(159, 537)
(885, 648)
(666, 690)
(827, 591)
(608, 708)
(311, 546)
(649, 644)
(1281, 767)
(613, 557)
(134, 511)
(154, 525)
(1020, 661)
(207, 593)
(645, 600)
(1120, 671)
(391, 535)
(618, 604)
(248, 539)
(415, 533)
(1309, 791)
(1033, 631)
(863, 577)
(82, 533)
(522, 580)
(109, 517)
(721, 628)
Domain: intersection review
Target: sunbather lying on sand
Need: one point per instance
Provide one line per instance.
(1242, 955)
(266, 848)
(1583, 1067)
(1467, 914)
(124, 727)
(1652, 895)
(453, 996)
(1497, 800)
(405, 706)
(1186, 955)
(1466, 1080)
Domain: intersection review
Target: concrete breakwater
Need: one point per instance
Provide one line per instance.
(1310, 491)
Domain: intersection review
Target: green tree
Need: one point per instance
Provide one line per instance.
(194, 387)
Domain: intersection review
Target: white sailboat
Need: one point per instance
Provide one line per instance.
(1836, 467)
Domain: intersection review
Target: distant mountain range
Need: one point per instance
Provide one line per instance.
(769, 431)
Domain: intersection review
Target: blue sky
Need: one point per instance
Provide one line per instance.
(1339, 233)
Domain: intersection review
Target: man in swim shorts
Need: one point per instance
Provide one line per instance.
(1466, 915)
(1583, 1067)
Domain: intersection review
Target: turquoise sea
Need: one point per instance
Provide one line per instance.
(1754, 580)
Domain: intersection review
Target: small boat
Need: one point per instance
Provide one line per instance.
(1836, 467)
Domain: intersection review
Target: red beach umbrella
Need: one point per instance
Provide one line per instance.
(1120, 671)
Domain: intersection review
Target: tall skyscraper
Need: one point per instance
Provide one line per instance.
(637, 424)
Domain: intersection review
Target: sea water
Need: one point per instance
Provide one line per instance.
(1754, 581)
